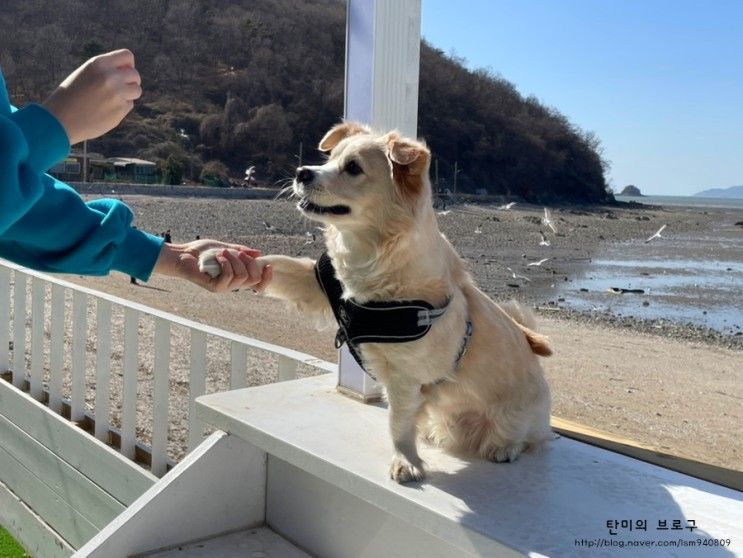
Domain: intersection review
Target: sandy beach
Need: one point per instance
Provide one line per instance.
(673, 385)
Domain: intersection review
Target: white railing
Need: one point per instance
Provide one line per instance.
(76, 355)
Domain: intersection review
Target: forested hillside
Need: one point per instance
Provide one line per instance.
(232, 83)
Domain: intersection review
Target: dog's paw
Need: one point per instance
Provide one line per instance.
(208, 263)
(402, 470)
(505, 454)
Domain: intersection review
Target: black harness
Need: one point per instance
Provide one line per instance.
(397, 321)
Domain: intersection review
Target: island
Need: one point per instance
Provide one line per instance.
(630, 190)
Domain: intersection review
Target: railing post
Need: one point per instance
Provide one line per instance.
(287, 368)
(4, 319)
(239, 365)
(102, 369)
(161, 373)
(56, 348)
(79, 338)
(196, 386)
(19, 328)
(38, 292)
(129, 378)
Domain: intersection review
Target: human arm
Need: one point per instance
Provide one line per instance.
(97, 96)
(44, 222)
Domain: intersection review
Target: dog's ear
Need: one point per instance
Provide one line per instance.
(340, 132)
(409, 161)
(412, 155)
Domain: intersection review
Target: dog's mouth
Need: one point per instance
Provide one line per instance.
(309, 207)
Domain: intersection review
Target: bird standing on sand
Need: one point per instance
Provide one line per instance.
(657, 234)
(513, 274)
(540, 262)
(310, 237)
(544, 241)
(478, 230)
(444, 212)
(547, 220)
(507, 206)
(268, 226)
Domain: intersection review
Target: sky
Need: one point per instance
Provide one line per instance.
(659, 81)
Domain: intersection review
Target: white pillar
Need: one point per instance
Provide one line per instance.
(381, 89)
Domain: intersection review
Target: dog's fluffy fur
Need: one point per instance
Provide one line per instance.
(374, 197)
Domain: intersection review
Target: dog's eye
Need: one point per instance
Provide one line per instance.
(352, 168)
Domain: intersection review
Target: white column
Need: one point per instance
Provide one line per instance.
(381, 89)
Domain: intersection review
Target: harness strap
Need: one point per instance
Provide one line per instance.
(374, 321)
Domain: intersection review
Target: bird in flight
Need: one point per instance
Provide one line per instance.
(507, 206)
(544, 241)
(444, 212)
(547, 220)
(513, 274)
(657, 234)
(540, 262)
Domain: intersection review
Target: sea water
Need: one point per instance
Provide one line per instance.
(685, 278)
(688, 201)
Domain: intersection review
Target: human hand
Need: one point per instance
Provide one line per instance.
(238, 267)
(97, 96)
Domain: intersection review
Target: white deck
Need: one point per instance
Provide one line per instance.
(544, 504)
(258, 543)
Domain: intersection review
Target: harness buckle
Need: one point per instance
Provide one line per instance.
(340, 338)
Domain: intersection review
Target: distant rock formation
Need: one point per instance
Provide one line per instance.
(630, 191)
(734, 192)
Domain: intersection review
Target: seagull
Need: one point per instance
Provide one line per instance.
(249, 171)
(547, 220)
(444, 212)
(544, 241)
(540, 262)
(268, 226)
(478, 230)
(513, 274)
(657, 234)
(310, 237)
(507, 206)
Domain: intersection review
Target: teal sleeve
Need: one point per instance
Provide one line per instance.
(45, 224)
(31, 141)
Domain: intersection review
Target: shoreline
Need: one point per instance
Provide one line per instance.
(659, 327)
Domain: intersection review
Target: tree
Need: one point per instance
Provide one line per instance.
(172, 171)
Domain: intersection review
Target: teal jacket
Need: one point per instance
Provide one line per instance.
(45, 224)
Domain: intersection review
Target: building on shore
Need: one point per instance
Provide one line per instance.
(103, 169)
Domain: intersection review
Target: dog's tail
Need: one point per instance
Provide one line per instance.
(526, 322)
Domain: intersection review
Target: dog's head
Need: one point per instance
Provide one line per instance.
(367, 180)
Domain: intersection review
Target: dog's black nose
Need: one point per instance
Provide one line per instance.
(304, 175)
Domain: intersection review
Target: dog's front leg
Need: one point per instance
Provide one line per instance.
(293, 281)
(405, 401)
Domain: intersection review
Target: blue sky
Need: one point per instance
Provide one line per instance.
(659, 81)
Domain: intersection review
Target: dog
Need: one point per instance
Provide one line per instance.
(472, 383)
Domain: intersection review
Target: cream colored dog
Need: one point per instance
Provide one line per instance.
(374, 197)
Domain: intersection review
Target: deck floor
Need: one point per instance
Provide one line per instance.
(261, 542)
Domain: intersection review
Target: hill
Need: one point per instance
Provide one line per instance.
(233, 83)
(734, 192)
